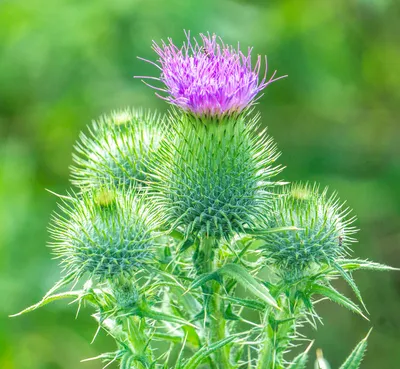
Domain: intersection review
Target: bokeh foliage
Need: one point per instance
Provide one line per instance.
(65, 62)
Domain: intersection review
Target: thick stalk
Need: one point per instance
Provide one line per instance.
(207, 262)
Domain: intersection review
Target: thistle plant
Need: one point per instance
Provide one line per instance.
(179, 229)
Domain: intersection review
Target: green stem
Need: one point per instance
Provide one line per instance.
(278, 329)
(138, 341)
(265, 356)
(207, 262)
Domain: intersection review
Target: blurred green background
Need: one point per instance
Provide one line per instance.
(64, 62)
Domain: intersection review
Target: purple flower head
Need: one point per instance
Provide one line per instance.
(209, 78)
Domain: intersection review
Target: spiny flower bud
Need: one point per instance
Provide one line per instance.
(209, 78)
(213, 176)
(324, 231)
(118, 150)
(106, 234)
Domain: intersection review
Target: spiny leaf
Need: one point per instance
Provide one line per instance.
(50, 298)
(106, 357)
(300, 361)
(356, 264)
(347, 277)
(206, 351)
(229, 314)
(355, 358)
(243, 277)
(337, 297)
(251, 304)
(167, 337)
(159, 316)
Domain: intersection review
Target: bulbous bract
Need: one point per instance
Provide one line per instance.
(118, 150)
(213, 176)
(106, 234)
(324, 230)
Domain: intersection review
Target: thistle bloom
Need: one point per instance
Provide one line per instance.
(209, 78)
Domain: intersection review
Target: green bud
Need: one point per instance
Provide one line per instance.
(324, 233)
(106, 234)
(118, 150)
(125, 292)
(213, 176)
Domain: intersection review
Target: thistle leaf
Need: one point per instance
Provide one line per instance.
(243, 277)
(159, 316)
(337, 297)
(50, 298)
(247, 303)
(300, 361)
(229, 314)
(356, 264)
(355, 358)
(347, 277)
(206, 351)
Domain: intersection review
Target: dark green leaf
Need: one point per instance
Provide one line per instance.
(229, 314)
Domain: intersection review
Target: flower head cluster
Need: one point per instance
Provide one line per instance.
(209, 78)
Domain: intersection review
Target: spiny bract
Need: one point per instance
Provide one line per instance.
(103, 233)
(118, 150)
(324, 230)
(213, 176)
